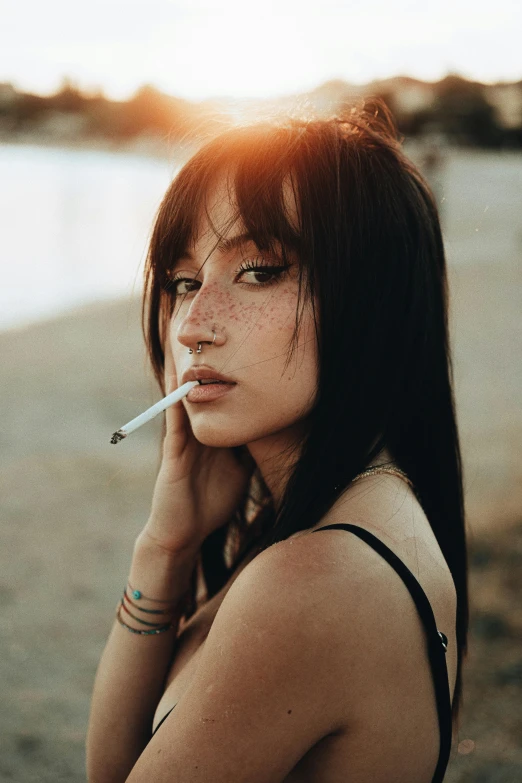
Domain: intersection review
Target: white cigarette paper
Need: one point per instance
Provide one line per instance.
(153, 411)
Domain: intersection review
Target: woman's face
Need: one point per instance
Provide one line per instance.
(253, 313)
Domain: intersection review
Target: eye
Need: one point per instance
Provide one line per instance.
(178, 285)
(262, 274)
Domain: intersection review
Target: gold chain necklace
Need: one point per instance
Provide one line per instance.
(381, 469)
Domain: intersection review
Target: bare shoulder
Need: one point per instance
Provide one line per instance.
(308, 572)
(372, 596)
(344, 584)
(334, 593)
(293, 579)
(318, 573)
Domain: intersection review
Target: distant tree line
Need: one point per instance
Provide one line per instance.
(458, 110)
(461, 112)
(70, 112)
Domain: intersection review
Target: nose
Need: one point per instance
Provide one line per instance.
(198, 323)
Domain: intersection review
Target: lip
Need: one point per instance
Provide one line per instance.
(210, 392)
(202, 372)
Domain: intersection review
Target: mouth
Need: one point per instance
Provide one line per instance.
(209, 390)
(206, 375)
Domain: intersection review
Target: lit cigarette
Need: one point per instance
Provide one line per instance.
(149, 414)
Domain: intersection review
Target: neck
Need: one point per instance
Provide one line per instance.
(275, 456)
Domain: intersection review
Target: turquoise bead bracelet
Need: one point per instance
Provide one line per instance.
(155, 628)
(136, 594)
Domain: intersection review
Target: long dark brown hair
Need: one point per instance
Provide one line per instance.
(372, 259)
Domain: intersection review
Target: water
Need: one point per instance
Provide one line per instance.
(74, 227)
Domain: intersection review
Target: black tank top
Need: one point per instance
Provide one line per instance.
(437, 642)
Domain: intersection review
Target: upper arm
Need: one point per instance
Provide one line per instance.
(262, 692)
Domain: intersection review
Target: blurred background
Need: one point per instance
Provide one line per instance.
(100, 105)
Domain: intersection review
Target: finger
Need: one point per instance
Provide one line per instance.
(175, 415)
(170, 375)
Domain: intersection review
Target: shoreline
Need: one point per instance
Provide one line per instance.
(142, 147)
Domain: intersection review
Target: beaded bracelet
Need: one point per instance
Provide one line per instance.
(162, 629)
(136, 594)
(138, 620)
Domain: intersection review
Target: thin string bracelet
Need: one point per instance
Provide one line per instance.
(138, 595)
(141, 633)
(142, 622)
(167, 610)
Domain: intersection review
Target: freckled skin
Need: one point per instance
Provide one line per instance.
(254, 326)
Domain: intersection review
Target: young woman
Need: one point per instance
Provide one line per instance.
(296, 607)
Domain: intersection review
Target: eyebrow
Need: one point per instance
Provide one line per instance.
(224, 246)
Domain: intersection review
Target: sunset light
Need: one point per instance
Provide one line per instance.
(197, 49)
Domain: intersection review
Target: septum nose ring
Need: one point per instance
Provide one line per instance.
(204, 341)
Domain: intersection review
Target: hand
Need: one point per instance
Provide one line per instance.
(198, 487)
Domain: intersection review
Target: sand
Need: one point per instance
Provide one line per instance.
(72, 505)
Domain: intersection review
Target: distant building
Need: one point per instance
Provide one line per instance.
(507, 100)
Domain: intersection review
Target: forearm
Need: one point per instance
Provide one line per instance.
(132, 670)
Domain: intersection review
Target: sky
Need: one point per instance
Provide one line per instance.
(200, 50)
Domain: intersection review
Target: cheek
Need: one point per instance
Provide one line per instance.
(275, 318)
(269, 315)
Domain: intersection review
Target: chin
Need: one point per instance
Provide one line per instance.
(210, 431)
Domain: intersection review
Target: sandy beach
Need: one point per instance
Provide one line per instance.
(72, 505)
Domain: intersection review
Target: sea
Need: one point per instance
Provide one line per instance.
(74, 227)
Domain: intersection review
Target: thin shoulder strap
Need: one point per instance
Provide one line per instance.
(436, 644)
